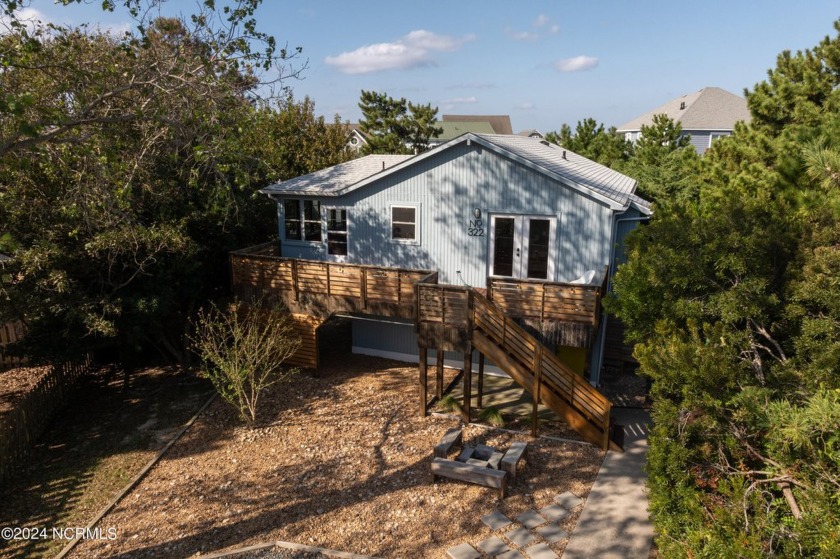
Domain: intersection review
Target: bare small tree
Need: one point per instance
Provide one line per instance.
(244, 351)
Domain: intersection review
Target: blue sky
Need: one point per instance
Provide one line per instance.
(542, 62)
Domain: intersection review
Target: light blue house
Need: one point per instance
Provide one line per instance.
(482, 210)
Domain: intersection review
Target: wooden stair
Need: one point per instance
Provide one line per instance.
(535, 368)
(458, 318)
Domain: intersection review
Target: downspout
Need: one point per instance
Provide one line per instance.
(595, 376)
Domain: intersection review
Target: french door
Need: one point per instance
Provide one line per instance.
(522, 246)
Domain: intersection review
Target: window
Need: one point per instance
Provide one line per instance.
(404, 224)
(291, 211)
(302, 220)
(337, 231)
(716, 136)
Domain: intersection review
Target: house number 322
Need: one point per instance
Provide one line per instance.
(476, 228)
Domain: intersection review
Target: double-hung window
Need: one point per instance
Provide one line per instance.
(405, 224)
(303, 220)
(337, 231)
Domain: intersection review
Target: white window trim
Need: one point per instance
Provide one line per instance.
(553, 250)
(326, 232)
(302, 241)
(717, 135)
(418, 220)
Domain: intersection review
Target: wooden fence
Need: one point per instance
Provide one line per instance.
(10, 333)
(21, 427)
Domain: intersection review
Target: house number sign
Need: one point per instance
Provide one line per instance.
(476, 228)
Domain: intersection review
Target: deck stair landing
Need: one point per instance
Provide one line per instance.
(470, 321)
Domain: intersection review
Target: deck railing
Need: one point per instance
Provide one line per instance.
(548, 301)
(259, 272)
(454, 318)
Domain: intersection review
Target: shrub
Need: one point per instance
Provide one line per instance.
(244, 351)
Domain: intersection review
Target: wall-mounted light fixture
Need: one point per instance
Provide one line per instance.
(477, 213)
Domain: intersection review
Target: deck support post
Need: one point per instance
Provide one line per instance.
(480, 379)
(423, 367)
(439, 374)
(467, 384)
(535, 413)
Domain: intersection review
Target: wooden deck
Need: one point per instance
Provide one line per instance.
(548, 301)
(447, 317)
(321, 288)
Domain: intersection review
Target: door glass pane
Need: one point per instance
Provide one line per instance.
(538, 236)
(503, 233)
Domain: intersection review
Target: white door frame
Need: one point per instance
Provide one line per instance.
(521, 236)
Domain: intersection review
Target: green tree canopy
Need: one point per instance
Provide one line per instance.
(592, 140)
(128, 172)
(393, 126)
(731, 295)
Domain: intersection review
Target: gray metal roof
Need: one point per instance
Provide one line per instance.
(568, 166)
(544, 157)
(711, 108)
(338, 178)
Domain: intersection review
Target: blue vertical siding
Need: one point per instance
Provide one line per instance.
(446, 188)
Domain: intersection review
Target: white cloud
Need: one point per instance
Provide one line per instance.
(411, 51)
(576, 64)
(453, 103)
(461, 100)
(31, 17)
(541, 20)
(554, 29)
(521, 35)
(526, 106)
(118, 29)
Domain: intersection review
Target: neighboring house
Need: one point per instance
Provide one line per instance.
(531, 133)
(704, 115)
(525, 223)
(499, 123)
(453, 129)
(453, 126)
(356, 140)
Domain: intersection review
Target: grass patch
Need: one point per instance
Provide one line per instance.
(492, 416)
(450, 404)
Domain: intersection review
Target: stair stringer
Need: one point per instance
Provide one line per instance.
(549, 395)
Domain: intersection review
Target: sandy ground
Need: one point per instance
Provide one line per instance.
(340, 461)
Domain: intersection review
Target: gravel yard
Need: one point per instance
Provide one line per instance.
(340, 462)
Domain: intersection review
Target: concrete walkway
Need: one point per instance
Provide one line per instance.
(615, 522)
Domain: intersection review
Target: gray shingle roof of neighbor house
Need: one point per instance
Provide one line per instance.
(500, 123)
(577, 171)
(711, 108)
